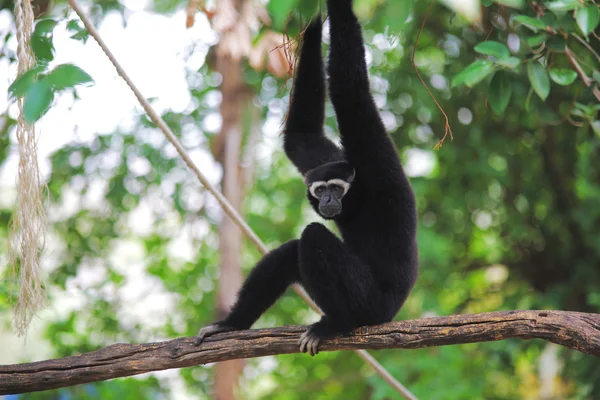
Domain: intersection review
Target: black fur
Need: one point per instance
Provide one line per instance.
(304, 141)
(365, 278)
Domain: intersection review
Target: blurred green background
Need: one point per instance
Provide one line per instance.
(509, 211)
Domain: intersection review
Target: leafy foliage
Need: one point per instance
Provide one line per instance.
(546, 54)
(38, 86)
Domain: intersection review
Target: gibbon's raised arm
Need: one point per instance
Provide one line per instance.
(361, 128)
(304, 142)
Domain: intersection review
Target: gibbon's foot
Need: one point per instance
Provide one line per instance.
(309, 342)
(210, 330)
(310, 339)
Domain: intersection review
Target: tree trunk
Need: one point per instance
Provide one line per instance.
(236, 96)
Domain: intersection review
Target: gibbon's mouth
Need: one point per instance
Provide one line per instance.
(330, 212)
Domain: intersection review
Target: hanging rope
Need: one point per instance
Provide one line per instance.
(227, 207)
(29, 219)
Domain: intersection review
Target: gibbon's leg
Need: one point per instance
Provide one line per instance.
(264, 285)
(304, 141)
(339, 282)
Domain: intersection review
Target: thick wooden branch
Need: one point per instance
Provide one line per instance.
(579, 331)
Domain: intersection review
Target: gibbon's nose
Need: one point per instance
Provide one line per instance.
(329, 206)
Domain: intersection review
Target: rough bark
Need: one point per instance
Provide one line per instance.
(578, 331)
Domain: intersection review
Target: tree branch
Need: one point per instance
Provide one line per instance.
(578, 331)
(586, 79)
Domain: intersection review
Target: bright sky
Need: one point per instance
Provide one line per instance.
(153, 49)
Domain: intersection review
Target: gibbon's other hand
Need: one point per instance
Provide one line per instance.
(211, 330)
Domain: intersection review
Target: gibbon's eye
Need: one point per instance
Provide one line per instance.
(337, 190)
(319, 190)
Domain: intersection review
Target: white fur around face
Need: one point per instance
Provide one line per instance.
(340, 182)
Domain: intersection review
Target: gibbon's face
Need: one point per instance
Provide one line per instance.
(327, 185)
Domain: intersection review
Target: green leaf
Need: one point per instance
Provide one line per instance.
(500, 92)
(73, 25)
(563, 5)
(539, 79)
(19, 87)
(567, 24)
(587, 18)
(37, 100)
(596, 127)
(492, 48)
(66, 76)
(562, 76)
(44, 27)
(532, 23)
(550, 19)
(82, 36)
(396, 13)
(279, 12)
(487, 3)
(43, 48)
(536, 40)
(579, 110)
(556, 43)
(41, 40)
(518, 4)
(474, 73)
(510, 62)
(79, 32)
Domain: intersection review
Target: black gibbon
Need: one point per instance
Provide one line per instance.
(364, 278)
